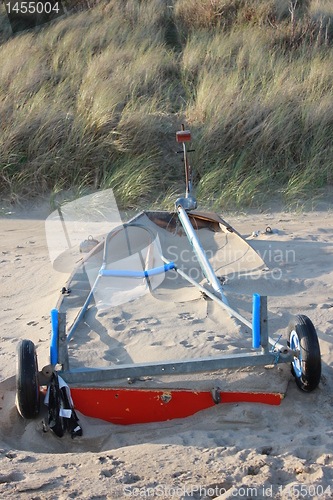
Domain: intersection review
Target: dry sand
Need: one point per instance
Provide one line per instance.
(246, 450)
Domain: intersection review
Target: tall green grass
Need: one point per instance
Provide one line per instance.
(95, 99)
(270, 129)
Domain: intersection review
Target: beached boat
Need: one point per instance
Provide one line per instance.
(142, 330)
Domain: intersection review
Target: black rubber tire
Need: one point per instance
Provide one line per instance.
(307, 372)
(27, 387)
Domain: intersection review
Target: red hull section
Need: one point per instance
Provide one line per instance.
(138, 406)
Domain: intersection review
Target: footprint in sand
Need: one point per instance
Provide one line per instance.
(28, 459)
(185, 316)
(128, 478)
(146, 324)
(12, 477)
(186, 344)
(148, 321)
(119, 324)
(188, 317)
(119, 328)
(117, 355)
(219, 347)
(108, 472)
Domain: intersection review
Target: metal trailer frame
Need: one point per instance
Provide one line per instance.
(266, 351)
(270, 351)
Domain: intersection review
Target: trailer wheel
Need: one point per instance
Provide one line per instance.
(307, 367)
(27, 387)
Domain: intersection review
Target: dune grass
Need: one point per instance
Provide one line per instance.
(94, 100)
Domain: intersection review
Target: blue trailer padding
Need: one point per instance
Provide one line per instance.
(256, 321)
(137, 274)
(54, 337)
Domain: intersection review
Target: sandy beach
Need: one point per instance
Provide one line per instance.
(228, 451)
